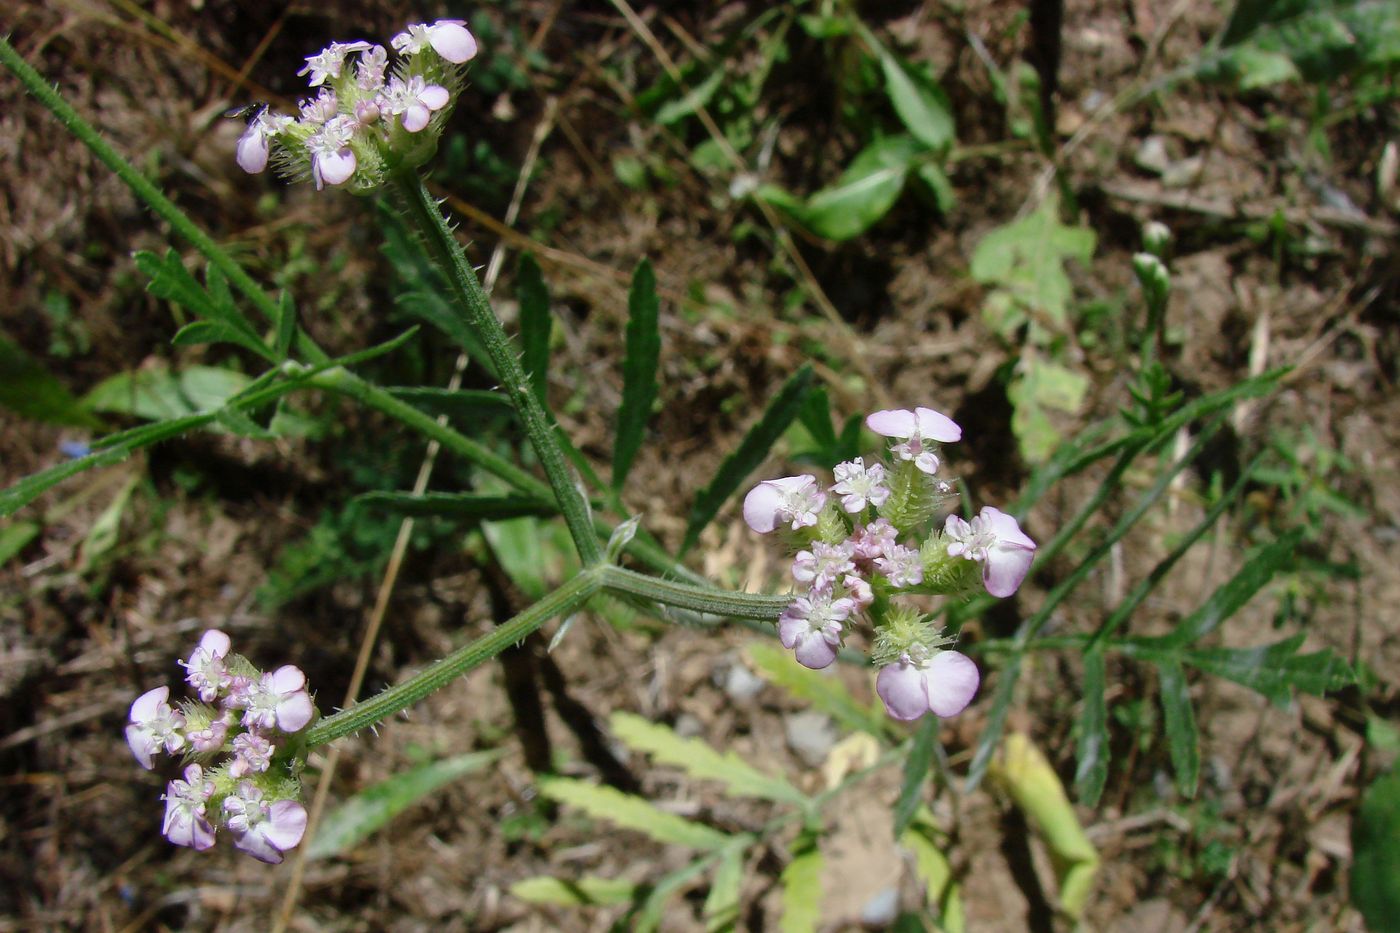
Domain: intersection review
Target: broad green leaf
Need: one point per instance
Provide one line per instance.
(1375, 847)
(697, 97)
(534, 554)
(1026, 260)
(15, 537)
(1038, 387)
(1183, 741)
(753, 450)
(916, 767)
(588, 891)
(702, 761)
(1091, 768)
(31, 391)
(821, 692)
(722, 903)
(156, 394)
(802, 888)
(1232, 595)
(475, 506)
(939, 185)
(922, 106)
(864, 193)
(372, 808)
(629, 812)
(1319, 40)
(638, 370)
(535, 324)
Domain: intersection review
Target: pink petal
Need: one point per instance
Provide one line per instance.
(761, 507)
(434, 97)
(143, 745)
(901, 687)
(815, 652)
(936, 426)
(255, 843)
(1006, 528)
(452, 41)
(1005, 568)
(144, 709)
(893, 423)
(294, 712)
(215, 642)
(951, 681)
(251, 153)
(286, 824)
(286, 679)
(416, 117)
(335, 168)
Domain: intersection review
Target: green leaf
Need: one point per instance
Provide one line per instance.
(1375, 846)
(653, 909)
(535, 324)
(15, 537)
(156, 394)
(588, 891)
(752, 451)
(697, 97)
(31, 391)
(1091, 768)
(1232, 595)
(1319, 40)
(1183, 741)
(1025, 259)
(286, 325)
(822, 693)
(916, 767)
(1274, 670)
(802, 887)
(920, 102)
(1037, 388)
(213, 307)
(721, 910)
(939, 185)
(369, 810)
(464, 405)
(990, 738)
(701, 761)
(864, 193)
(474, 506)
(638, 370)
(629, 812)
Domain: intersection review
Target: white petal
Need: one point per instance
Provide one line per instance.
(761, 507)
(144, 709)
(815, 652)
(336, 167)
(452, 41)
(936, 426)
(434, 97)
(215, 642)
(901, 687)
(1006, 528)
(1005, 568)
(951, 681)
(896, 422)
(416, 117)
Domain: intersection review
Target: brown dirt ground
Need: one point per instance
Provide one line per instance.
(1268, 841)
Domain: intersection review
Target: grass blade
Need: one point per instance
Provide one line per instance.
(1183, 741)
(535, 324)
(1091, 769)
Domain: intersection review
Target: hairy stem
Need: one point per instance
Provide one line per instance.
(473, 304)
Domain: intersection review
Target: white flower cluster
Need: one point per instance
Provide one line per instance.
(361, 124)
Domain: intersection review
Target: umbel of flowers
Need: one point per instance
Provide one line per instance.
(365, 120)
(868, 539)
(239, 745)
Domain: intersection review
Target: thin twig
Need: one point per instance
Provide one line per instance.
(396, 557)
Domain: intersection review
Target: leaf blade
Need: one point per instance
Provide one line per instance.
(643, 356)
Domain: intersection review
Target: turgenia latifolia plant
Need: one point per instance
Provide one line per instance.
(869, 549)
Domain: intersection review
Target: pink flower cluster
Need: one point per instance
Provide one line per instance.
(865, 540)
(245, 717)
(360, 120)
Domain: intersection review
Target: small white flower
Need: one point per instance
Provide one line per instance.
(996, 541)
(859, 485)
(415, 99)
(332, 159)
(328, 62)
(448, 37)
(916, 429)
(795, 499)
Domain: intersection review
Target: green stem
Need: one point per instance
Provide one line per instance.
(625, 582)
(473, 303)
(140, 186)
(396, 699)
(347, 383)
